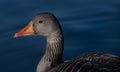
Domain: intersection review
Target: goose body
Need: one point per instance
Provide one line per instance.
(46, 24)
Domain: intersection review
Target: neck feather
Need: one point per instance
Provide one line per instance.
(54, 51)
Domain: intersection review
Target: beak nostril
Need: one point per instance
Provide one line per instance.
(24, 29)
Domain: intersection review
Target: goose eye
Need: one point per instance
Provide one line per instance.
(40, 21)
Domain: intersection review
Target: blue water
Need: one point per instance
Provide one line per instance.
(88, 25)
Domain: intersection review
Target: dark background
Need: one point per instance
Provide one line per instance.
(88, 25)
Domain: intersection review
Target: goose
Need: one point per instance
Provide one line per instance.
(46, 24)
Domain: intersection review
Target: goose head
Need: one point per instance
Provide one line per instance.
(43, 24)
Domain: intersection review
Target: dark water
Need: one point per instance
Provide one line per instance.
(88, 25)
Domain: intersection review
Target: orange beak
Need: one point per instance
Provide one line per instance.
(26, 31)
